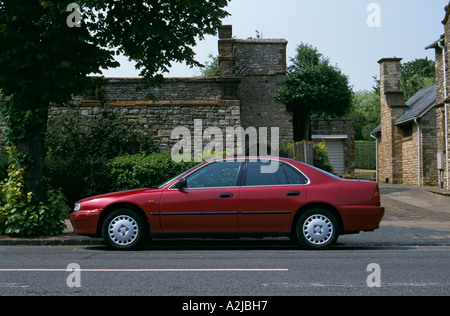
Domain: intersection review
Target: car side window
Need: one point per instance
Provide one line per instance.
(256, 177)
(294, 176)
(284, 175)
(215, 175)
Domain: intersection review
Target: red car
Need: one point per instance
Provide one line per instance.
(246, 197)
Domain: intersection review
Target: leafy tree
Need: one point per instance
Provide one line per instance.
(313, 86)
(211, 67)
(365, 112)
(44, 61)
(416, 75)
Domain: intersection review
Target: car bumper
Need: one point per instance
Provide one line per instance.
(85, 222)
(361, 218)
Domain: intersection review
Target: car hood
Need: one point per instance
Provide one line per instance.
(120, 194)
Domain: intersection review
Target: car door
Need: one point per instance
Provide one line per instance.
(267, 201)
(208, 203)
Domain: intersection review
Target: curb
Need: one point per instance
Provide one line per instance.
(61, 240)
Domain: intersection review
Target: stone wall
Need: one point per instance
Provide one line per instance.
(428, 145)
(392, 106)
(398, 156)
(261, 65)
(243, 96)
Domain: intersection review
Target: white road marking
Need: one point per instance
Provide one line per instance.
(145, 270)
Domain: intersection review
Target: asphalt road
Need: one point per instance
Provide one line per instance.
(408, 255)
(225, 270)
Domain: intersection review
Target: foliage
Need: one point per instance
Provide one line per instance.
(21, 215)
(366, 114)
(365, 155)
(211, 68)
(321, 157)
(80, 147)
(143, 170)
(312, 85)
(4, 163)
(416, 75)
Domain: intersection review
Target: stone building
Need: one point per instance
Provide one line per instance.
(406, 138)
(242, 96)
(442, 49)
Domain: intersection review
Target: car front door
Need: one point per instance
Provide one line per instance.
(268, 200)
(208, 202)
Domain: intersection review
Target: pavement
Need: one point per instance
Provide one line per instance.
(408, 207)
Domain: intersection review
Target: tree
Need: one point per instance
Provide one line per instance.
(416, 75)
(211, 68)
(313, 86)
(365, 112)
(43, 60)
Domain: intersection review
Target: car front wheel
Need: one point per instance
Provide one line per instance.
(124, 229)
(317, 229)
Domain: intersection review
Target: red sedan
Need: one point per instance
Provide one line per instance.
(251, 197)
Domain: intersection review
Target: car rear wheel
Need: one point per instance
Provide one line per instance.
(124, 229)
(317, 229)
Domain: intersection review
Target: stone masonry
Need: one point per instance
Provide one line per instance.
(398, 143)
(242, 96)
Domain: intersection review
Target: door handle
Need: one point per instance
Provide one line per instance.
(293, 193)
(226, 195)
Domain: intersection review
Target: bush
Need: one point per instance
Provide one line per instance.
(143, 171)
(80, 147)
(4, 162)
(321, 157)
(365, 155)
(22, 216)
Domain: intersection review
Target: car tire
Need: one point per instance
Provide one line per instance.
(124, 229)
(317, 229)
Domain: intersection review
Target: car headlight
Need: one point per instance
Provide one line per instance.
(77, 207)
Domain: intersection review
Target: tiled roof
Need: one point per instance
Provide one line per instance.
(419, 105)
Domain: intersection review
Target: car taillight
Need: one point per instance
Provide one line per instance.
(377, 196)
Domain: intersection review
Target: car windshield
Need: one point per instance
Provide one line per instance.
(180, 175)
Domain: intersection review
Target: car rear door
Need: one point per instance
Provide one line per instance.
(268, 200)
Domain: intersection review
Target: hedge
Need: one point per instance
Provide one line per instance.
(365, 155)
(143, 170)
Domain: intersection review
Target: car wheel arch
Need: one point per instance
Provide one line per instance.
(123, 205)
(318, 205)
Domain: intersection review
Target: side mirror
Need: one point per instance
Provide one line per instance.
(182, 183)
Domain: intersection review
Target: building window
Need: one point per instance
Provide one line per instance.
(407, 130)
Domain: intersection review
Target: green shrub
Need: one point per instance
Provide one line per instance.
(365, 155)
(22, 216)
(4, 162)
(80, 147)
(321, 157)
(143, 170)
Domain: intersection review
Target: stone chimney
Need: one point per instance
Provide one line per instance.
(226, 57)
(390, 82)
(392, 104)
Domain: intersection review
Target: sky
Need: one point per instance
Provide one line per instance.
(353, 34)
